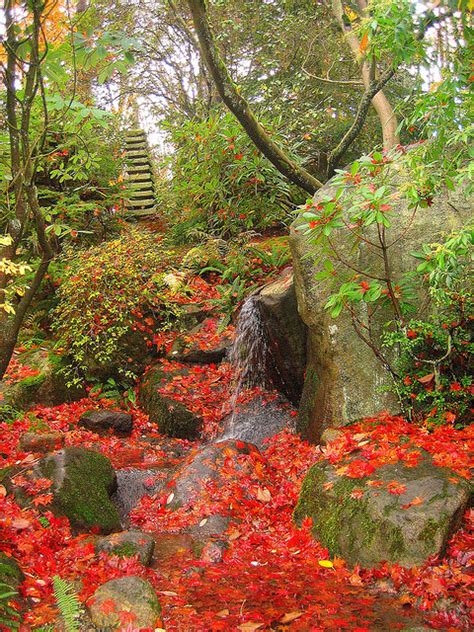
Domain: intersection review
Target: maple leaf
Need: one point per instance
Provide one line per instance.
(413, 503)
(288, 617)
(108, 606)
(396, 488)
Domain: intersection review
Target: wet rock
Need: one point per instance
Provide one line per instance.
(169, 545)
(83, 481)
(261, 418)
(210, 527)
(128, 543)
(172, 418)
(101, 421)
(41, 442)
(207, 464)
(213, 552)
(130, 601)
(133, 484)
(368, 524)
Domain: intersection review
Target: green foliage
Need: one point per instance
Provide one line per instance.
(221, 183)
(9, 616)
(435, 354)
(110, 293)
(67, 603)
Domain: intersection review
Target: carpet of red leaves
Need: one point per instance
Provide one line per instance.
(273, 575)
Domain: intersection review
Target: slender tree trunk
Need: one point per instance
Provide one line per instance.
(239, 106)
(385, 112)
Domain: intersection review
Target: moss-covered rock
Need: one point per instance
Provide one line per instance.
(130, 597)
(10, 572)
(83, 481)
(172, 418)
(127, 544)
(367, 524)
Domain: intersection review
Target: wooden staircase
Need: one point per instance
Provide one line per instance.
(139, 173)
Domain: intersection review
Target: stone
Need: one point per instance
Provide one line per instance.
(261, 418)
(329, 435)
(172, 418)
(206, 464)
(83, 481)
(104, 420)
(47, 387)
(41, 441)
(128, 599)
(126, 544)
(133, 484)
(187, 349)
(344, 380)
(285, 334)
(373, 526)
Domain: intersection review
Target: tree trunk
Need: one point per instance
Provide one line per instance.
(239, 106)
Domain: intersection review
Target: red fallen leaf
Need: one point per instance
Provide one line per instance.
(426, 379)
(416, 501)
(357, 494)
(3, 491)
(291, 616)
(396, 488)
(108, 606)
(20, 523)
(42, 499)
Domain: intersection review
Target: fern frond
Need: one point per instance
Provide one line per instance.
(67, 602)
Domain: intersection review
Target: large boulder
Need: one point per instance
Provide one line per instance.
(172, 417)
(127, 544)
(344, 380)
(125, 603)
(400, 514)
(83, 481)
(201, 345)
(270, 343)
(102, 421)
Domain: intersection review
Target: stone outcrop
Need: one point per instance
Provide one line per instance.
(370, 523)
(344, 380)
(102, 421)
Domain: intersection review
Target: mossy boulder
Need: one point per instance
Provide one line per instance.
(344, 380)
(367, 524)
(10, 572)
(128, 544)
(187, 348)
(172, 417)
(47, 387)
(125, 602)
(83, 481)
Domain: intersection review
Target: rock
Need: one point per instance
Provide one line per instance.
(259, 419)
(101, 421)
(10, 572)
(47, 387)
(128, 543)
(41, 441)
(344, 381)
(285, 334)
(370, 525)
(133, 484)
(130, 601)
(83, 481)
(172, 418)
(186, 348)
(210, 527)
(169, 545)
(207, 464)
(329, 435)
(213, 552)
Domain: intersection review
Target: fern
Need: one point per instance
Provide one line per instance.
(67, 602)
(9, 617)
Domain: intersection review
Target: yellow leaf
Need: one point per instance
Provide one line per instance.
(291, 616)
(250, 626)
(326, 563)
(264, 495)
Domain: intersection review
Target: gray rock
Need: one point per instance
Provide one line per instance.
(126, 544)
(379, 525)
(41, 441)
(101, 421)
(186, 348)
(257, 420)
(343, 377)
(135, 602)
(133, 484)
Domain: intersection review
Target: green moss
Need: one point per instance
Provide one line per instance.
(32, 381)
(84, 481)
(127, 549)
(308, 398)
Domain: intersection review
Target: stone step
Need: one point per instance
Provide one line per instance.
(135, 206)
(140, 177)
(146, 189)
(139, 153)
(132, 168)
